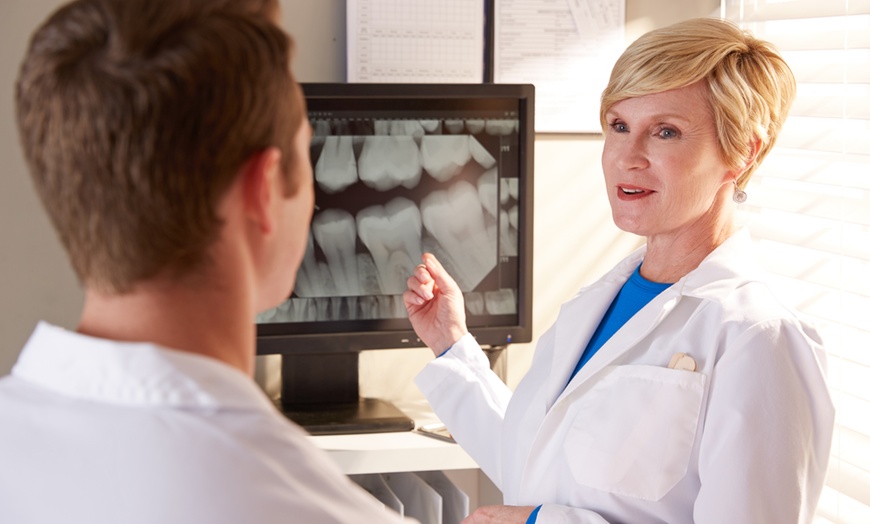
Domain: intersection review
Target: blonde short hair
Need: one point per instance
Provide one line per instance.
(750, 87)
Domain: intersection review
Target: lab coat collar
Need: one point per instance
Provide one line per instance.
(141, 374)
(579, 317)
(727, 267)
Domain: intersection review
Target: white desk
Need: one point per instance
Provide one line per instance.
(410, 451)
(394, 452)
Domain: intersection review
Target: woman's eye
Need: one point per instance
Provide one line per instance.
(667, 132)
(619, 127)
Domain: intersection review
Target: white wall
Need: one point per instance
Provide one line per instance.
(575, 241)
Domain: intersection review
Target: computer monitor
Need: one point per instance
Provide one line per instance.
(403, 169)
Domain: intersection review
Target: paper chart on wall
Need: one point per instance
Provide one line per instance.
(415, 41)
(567, 49)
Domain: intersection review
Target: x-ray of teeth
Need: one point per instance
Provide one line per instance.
(313, 278)
(335, 232)
(513, 187)
(444, 156)
(321, 128)
(455, 218)
(508, 241)
(336, 168)
(454, 126)
(335, 308)
(487, 190)
(412, 128)
(500, 127)
(480, 154)
(369, 281)
(382, 127)
(501, 302)
(392, 234)
(363, 246)
(474, 303)
(268, 316)
(431, 126)
(475, 126)
(510, 188)
(387, 162)
(341, 127)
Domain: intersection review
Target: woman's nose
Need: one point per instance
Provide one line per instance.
(631, 153)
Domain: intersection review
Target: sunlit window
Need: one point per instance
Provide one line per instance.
(809, 211)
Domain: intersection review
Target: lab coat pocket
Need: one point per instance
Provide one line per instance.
(632, 433)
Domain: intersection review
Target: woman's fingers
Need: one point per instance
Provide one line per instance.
(437, 272)
(421, 286)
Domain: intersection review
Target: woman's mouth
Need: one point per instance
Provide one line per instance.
(631, 192)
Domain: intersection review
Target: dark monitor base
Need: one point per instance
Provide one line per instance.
(368, 415)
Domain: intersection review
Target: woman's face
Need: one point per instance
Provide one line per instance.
(662, 166)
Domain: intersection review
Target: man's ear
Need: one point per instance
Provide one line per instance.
(262, 187)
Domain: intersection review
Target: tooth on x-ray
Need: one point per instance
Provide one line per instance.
(322, 307)
(320, 128)
(514, 188)
(387, 162)
(474, 303)
(508, 241)
(412, 128)
(475, 126)
(336, 168)
(480, 154)
(487, 191)
(335, 232)
(501, 302)
(454, 126)
(510, 188)
(431, 126)
(455, 219)
(310, 279)
(392, 234)
(267, 316)
(408, 128)
(368, 307)
(500, 127)
(444, 156)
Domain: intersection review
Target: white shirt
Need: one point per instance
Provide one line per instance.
(96, 431)
(743, 438)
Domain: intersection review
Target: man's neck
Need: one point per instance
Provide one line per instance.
(216, 323)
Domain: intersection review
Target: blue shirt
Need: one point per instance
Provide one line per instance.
(634, 295)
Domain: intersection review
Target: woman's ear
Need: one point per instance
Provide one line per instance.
(737, 172)
(754, 148)
(262, 187)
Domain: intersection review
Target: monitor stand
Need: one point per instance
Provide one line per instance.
(320, 392)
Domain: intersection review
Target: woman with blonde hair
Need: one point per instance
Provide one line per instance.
(678, 387)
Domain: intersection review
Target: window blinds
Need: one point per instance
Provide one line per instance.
(809, 212)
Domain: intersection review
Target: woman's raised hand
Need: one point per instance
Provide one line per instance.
(435, 305)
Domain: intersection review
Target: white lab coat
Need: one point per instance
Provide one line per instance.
(744, 438)
(97, 431)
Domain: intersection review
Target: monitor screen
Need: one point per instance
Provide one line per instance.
(400, 170)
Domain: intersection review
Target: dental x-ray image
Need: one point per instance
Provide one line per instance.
(389, 190)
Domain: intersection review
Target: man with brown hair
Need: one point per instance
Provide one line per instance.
(168, 142)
